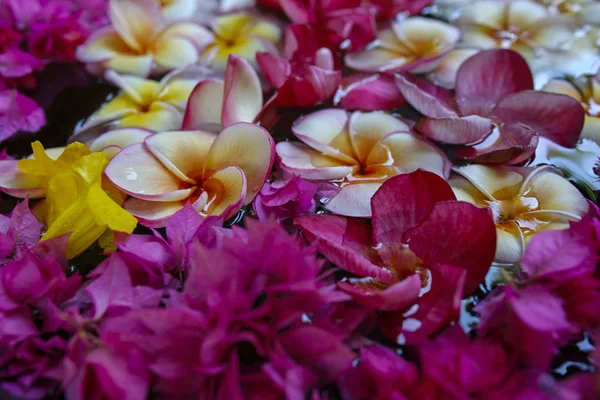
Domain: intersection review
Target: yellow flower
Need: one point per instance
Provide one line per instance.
(75, 201)
(240, 34)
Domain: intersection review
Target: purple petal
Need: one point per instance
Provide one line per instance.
(458, 130)
(430, 100)
(398, 296)
(19, 113)
(370, 93)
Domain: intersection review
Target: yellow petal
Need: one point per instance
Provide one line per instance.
(174, 52)
(495, 182)
(131, 64)
(109, 213)
(160, 117)
(142, 92)
(366, 129)
(265, 29)
(226, 190)
(555, 193)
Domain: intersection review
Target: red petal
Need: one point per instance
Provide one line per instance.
(401, 203)
(456, 233)
(459, 130)
(430, 100)
(558, 117)
(398, 296)
(487, 77)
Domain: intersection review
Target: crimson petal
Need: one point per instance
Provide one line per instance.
(430, 100)
(458, 130)
(456, 233)
(398, 296)
(489, 76)
(558, 117)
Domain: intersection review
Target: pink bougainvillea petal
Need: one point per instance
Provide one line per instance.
(137, 172)
(458, 234)
(205, 106)
(459, 130)
(345, 242)
(353, 200)
(403, 202)
(249, 147)
(369, 93)
(398, 296)
(430, 100)
(558, 117)
(242, 96)
(183, 153)
(487, 77)
(19, 113)
(275, 69)
(302, 160)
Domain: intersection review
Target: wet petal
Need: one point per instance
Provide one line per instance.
(460, 130)
(182, 152)
(205, 105)
(353, 200)
(311, 164)
(558, 117)
(366, 129)
(153, 214)
(137, 172)
(398, 296)
(489, 76)
(247, 146)
(226, 190)
(15, 183)
(107, 212)
(136, 21)
(243, 97)
(430, 100)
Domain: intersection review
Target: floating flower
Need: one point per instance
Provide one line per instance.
(413, 44)
(215, 104)
(240, 34)
(586, 10)
(216, 173)
(18, 113)
(587, 92)
(520, 25)
(143, 103)
(139, 41)
(356, 152)
(495, 116)
(524, 201)
(424, 248)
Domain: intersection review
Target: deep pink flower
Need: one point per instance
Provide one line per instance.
(366, 92)
(9, 37)
(381, 374)
(421, 250)
(15, 63)
(388, 9)
(301, 82)
(495, 116)
(56, 40)
(18, 113)
(287, 198)
(21, 229)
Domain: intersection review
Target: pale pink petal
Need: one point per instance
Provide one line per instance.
(205, 105)
(458, 130)
(247, 146)
(136, 21)
(326, 131)
(153, 214)
(242, 98)
(137, 172)
(301, 160)
(367, 129)
(489, 76)
(430, 100)
(376, 60)
(183, 153)
(557, 117)
(353, 200)
(122, 138)
(18, 184)
(226, 190)
(398, 296)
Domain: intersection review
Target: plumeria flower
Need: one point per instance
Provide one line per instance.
(76, 203)
(524, 201)
(415, 44)
(495, 117)
(140, 42)
(215, 104)
(356, 152)
(587, 92)
(143, 103)
(520, 25)
(423, 248)
(216, 173)
(587, 10)
(174, 10)
(240, 34)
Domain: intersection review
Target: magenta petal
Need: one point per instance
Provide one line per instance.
(459, 130)
(403, 202)
(19, 113)
(430, 100)
(398, 296)
(487, 77)
(558, 117)
(276, 69)
(346, 243)
(370, 93)
(456, 233)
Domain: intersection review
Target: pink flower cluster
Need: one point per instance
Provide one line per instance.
(206, 312)
(34, 33)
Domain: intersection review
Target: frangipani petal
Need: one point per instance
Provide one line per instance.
(226, 190)
(18, 184)
(182, 152)
(311, 164)
(242, 99)
(139, 90)
(205, 105)
(353, 200)
(196, 34)
(137, 172)
(101, 45)
(249, 147)
(376, 60)
(398, 296)
(119, 137)
(494, 182)
(445, 73)
(555, 193)
(459, 130)
(509, 245)
(179, 9)
(366, 129)
(174, 52)
(136, 21)
(160, 117)
(369, 93)
(153, 214)
(487, 77)
(139, 65)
